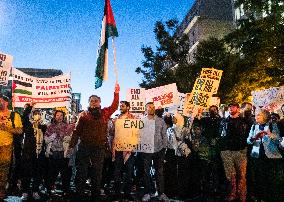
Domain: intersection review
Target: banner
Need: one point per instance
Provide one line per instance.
(5, 68)
(127, 134)
(136, 97)
(163, 96)
(45, 92)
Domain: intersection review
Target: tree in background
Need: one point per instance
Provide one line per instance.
(168, 64)
(259, 43)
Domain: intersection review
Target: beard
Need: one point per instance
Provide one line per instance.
(213, 114)
(232, 113)
(247, 113)
(96, 112)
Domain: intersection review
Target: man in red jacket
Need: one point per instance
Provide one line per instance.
(92, 131)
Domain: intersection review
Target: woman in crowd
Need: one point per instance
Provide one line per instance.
(265, 158)
(33, 162)
(57, 138)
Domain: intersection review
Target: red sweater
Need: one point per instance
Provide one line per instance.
(93, 132)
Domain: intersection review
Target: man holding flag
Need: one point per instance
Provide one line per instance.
(92, 125)
(92, 131)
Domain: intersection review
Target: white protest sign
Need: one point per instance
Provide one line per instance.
(280, 95)
(127, 134)
(5, 68)
(163, 96)
(265, 97)
(22, 88)
(136, 97)
(181, 100)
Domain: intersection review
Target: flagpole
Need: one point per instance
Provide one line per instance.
(114, 61)
(13, 95)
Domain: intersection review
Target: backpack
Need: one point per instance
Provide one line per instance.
(12, 117)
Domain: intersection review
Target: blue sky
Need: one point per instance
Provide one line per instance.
(64, 34)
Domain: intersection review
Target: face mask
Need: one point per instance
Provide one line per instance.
(36, 117)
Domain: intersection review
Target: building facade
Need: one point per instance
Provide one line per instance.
(205, 19)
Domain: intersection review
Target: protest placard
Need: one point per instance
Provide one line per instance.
(5, 68)
(136, 97)
(163, 96)
(127, 134)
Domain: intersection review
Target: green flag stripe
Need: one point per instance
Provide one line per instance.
(111, 30)
(100, 66)
(21, 91)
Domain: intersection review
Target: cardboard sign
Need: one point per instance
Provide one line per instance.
(135, 135)
(127, 134)
(204, 87)
(214, 75)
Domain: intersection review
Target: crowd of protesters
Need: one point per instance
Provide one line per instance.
(235, 155)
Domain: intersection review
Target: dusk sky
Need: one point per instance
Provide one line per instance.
(64, 34)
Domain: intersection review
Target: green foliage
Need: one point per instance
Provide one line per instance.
(259, 41)
(168, 64)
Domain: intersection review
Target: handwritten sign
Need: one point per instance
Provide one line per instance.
(163, 96)
(205, 86)
(127, 134)
(214, 75)
(5, 68)
(271, 99)
(136, 97)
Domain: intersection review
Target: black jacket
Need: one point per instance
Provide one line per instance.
(233, 134)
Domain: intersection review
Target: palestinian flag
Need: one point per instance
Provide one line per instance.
(108, 30)
(21, 87)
